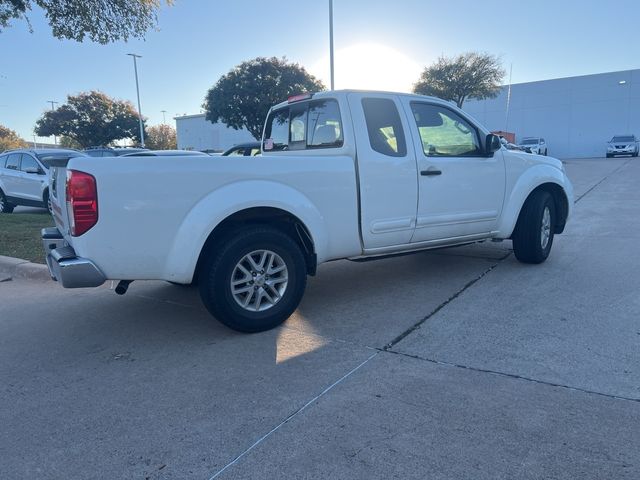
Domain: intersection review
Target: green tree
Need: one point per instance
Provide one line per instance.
(242, 97)
(469, 75)
(10, 139)
(91, 118)
(161, 137)
(102, 21)
(66, 142)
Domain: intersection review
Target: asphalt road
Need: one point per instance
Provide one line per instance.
(456, 364)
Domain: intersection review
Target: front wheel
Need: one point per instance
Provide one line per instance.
(254, 280)
(5, 206)
(533, 235)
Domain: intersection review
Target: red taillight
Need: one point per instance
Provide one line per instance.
(82, 201)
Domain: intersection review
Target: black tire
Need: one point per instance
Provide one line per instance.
(5, 206)
(527, 236)
(609, 155)
(546, 152)
(216, 272)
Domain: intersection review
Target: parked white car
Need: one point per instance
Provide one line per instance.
(24, 176)
(342, 175)
(622, 145)
(536, 145)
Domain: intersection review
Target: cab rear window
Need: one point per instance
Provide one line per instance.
(304, 125)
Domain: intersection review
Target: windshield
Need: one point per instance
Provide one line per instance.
(530, 141)
(623, 139)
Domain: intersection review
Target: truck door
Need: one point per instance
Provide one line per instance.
(387, 170)
(461, 189)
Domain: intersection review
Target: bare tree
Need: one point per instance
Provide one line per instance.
(469, 75)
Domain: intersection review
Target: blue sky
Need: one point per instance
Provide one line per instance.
(379, 44)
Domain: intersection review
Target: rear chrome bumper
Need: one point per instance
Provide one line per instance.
(65, 266)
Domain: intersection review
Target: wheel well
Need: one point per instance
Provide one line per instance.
(560, 201)
(274, 217)
(45, 194)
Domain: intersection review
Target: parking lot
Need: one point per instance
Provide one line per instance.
(459, 363)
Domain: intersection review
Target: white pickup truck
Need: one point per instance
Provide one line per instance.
(342, 175)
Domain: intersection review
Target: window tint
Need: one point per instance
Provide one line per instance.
(28, 162)
(386, 135)
(297, 122)
(236, 152)
(324, 128)
(314, 124)
(277, 130)
(13, 161)
(444, 133)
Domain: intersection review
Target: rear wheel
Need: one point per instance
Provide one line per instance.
(533, 235)
(5, 206)
(254, 279)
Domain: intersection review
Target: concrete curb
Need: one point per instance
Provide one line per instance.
(19, 269)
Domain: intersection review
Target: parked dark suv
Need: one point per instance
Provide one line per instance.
(24, 176)
(112, 152)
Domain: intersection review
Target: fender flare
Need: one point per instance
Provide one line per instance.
(533, 178)
(232, 198)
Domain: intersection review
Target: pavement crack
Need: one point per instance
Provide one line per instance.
(514, 376)
(601, 180)
(420, 322)
(293, 415)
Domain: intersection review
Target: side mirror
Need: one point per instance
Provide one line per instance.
(32, 170)
(492, 144)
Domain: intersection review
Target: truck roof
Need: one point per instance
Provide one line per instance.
(341, 93)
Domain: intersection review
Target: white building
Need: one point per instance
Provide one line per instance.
(194, 132)
(576, 115)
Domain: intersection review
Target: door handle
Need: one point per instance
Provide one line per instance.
(430, 172)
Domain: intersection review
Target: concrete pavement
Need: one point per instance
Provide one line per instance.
(460, 363)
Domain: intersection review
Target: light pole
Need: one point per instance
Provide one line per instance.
(53, 104)
(35, 144)
(164, 118)
(135, 69)
(331, 41)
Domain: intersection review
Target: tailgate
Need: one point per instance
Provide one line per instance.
(57, 182)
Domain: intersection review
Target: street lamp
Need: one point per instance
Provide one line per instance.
(331, 41)
(135, 69)
(164, 119)
(53, 104)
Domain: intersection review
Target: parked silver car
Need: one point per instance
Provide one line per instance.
(535, 145)
(622, 145)
(24, 176)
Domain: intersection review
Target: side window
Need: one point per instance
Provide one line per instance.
(277, 130)
(324, 128)
(444, 133)
(3, 160)
(237, 152)
(28, 162)
(254, 152)
(297, 124)
(13, 161)
(313, 124)
(384, 126)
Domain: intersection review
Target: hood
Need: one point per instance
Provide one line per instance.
(541, 159)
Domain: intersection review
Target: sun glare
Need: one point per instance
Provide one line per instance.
(370, 66)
